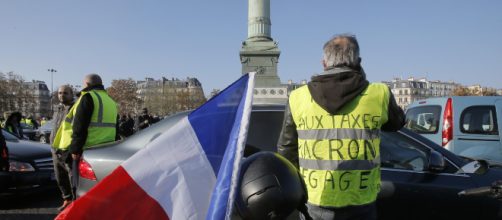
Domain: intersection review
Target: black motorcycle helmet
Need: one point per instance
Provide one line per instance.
(270, 187)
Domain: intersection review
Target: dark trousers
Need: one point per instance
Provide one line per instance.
(62, 171)
(364, 212)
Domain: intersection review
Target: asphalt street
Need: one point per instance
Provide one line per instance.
(38, 206)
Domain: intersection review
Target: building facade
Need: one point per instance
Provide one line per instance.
(167, 96)
(37, 99)
(409, 90)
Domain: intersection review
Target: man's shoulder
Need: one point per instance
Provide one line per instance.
(379, 84)
(299, 89)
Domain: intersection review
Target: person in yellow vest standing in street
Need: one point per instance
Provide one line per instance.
(331, 131)
(92, 120)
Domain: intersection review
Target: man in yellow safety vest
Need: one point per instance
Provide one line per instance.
(331, 132)
(90, 121)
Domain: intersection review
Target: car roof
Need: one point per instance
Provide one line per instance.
(472, 100)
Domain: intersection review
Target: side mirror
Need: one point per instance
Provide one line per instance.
(436, 161)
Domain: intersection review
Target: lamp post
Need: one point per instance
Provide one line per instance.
(52, 71)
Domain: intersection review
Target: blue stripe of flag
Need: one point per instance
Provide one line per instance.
(216, 125)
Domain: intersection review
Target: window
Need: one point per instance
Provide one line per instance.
(397, 151)
(423, 120)
(400, 152)
(479, 120)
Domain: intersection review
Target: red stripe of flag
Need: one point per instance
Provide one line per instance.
(118, 196)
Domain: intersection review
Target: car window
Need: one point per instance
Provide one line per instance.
(400, 152)
(479, 120)
(424, 119)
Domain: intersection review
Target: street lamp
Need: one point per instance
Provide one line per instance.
(52, 71)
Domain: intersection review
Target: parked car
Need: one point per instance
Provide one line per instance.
(466, 125)
(419, 178)
(31, 167)
(43, 133)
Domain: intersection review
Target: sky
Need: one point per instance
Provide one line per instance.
(457, 40)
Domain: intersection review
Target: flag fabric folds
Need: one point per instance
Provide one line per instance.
(189, 172)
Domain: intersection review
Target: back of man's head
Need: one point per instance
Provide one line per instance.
(341, 50)
(92, 80)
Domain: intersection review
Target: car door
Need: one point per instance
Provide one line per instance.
(478, 135)
(410, 189)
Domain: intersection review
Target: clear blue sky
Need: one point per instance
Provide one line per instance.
(442, 40)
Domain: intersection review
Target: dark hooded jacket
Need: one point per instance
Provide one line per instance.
(331, 90)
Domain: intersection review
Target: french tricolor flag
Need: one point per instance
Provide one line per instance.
(189, 172)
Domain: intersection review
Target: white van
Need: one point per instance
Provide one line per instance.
(465, 125)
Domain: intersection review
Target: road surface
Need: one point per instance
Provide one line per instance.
(39, 206)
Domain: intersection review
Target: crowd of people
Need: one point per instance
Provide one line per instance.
(128, 125)
(13, 121)
(80, 121)
(342, 90)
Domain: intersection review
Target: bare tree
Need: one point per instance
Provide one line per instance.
(123, 91)
(14, 94)
(489, 93)
(461, 91)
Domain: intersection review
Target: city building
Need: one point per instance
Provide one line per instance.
(167, 96)
(409, 90)
(37, 100)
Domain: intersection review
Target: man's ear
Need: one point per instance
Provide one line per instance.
(323, 63)
(359, 61)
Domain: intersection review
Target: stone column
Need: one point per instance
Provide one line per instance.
(259, 20)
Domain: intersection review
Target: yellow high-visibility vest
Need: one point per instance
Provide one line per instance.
(102, 128)
(339, 155)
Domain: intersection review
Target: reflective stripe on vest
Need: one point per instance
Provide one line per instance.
(102, 127)
(339, 155)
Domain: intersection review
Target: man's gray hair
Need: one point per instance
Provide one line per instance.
(93, 79)
(342, 50)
